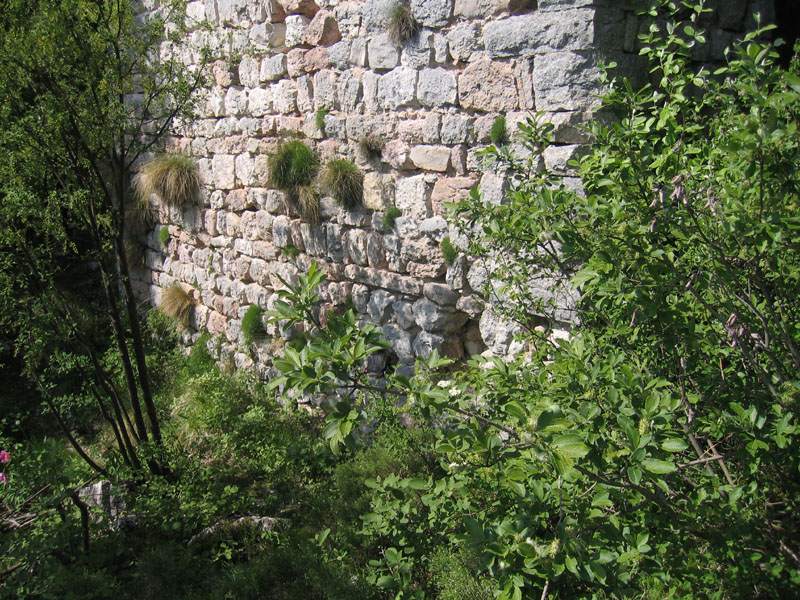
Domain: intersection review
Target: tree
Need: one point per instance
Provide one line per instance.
(87, 89)
(653, 453)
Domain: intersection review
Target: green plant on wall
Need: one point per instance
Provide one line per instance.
(343, 180)
(174, 178)
(371, 146)
(319, 119)
(401, 25)
(449, 251)
(308, 204)
(252, 324)
(499, 132)
(292, 166)
(390, 215)
(163, 235)
(176, 303)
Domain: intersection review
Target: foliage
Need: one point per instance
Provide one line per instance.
(69, 138)
(163, 235)
(174, 178)
(293, 165)
(319, 119)
(371, 146)
(252, 325)
(390, 215)
(176, 303)
(449, 251)
(653, 453)
(401, 25)
(499, 134)
(343, 180)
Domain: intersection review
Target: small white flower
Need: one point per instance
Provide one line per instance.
(444, 383)
(454, 391)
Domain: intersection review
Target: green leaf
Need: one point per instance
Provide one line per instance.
(659, 467)
(674, 445)
(570, 445)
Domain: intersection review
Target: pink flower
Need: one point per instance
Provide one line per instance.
(4, 456)
(3, 478)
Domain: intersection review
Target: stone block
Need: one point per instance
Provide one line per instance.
(379, 307)
(431, 158)
(432, 13)
(281, 236)
(436, 87)
(325, 89)
(284, 96)
(398, 155)
(249, 71)
(485, 85)
(463, 40)
(307, 8)
(316, 59)
(411, 196)
(222, 166)
(440, 294)
(264, 36)
(349, 90)
(416, 52)
(273, 68)
(296, 26)
(397, 88)
(427, 342)
(375, 15)
(383, 279)
(259, 102)
(354, 243)
(382, 53)
(323, 30)
(313, 239)
(399, 341)
(566, 81)
(375, 196)
(296, 62)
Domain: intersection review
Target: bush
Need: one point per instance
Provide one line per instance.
(308, 204)
(172, 177)
(252, 325)
(176, 303)
(499, 134)
(390, 215)
(292, 166)
(343, 180)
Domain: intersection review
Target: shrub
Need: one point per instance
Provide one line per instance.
(163, 236)
(499, 134)
(291, 251)
(449, 251)
(401, 25)
(390, 215)
(252, 325)
(343, 180)
(176, 303)
(308, 204)
(371, 146)
(293, 165)
(319, 119)
(172, 177)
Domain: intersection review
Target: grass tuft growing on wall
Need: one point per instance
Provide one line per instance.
(292, 166)
(308, 204)
(172, 177)
(449, 251)
(371, 146)
(343, 180)
(401, 25)
(390, 215)
(176, 303)
(163, 236)
(499, 132)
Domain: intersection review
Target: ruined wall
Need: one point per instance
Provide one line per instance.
(433, 100)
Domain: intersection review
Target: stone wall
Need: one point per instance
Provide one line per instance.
(432, 100)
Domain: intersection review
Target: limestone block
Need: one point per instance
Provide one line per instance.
(375, 196)
(228, 10)
(305, 94)
(265, 250)
(248, 71)
(313, 239)
(296, 26)
(273, 68)
(493, 187)
(430, 269)
(296, 234)
(566, 81)
(222, 166)
(370, 83)
(432, 13)
(452, 189)
(284, 96)
(360, 297)
(417, 51)
(307, 8)
(431, 158)
(232, 224)
(354, 243)
(455, 129)
(434, 226)
(296, 62)
(557, 158)
(358, 52)
(264, 36)
(426, 342)
(249, 225)
(245, 169)
(440, 294)
(430, 128)
(383, 279)
(349, 89)
(375, 14)
(464, 40)
(325, 89)
(485, 85)
(440, 49)
(411, 196)
(286, 271)
(316, 59)
(382, 53)
(235, 101)
(264, 222)
(379, 307)
(333, 239)
(436, 87)
(375, 253)
(497, 332)
(523, 74)
(398, 155)
(339, 54)
(281, 236)
(397, 88)
(323, 30)
(399, 341)
(259, 102)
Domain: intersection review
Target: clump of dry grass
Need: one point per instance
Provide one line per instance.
(176, 303)
(401, 25)
(308, 204)
(371, 146)
(172, 177)
(135, 253)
